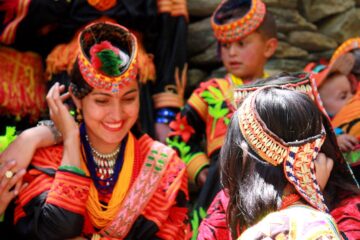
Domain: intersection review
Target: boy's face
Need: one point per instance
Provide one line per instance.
(246, 58)
(335, 92)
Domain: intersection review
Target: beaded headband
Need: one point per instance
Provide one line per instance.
(297, 157)
(239, 28)
(302, 83)
(119, 39)
(342, 64)
(347, 46)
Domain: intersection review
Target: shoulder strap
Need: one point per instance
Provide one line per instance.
(141, 192)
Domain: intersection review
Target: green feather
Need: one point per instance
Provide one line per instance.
(110, 62)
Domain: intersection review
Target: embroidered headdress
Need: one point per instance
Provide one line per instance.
(348, 46)
(236, 29)
(107, 56)
(305, 83)
(342, 64)
(297, 157)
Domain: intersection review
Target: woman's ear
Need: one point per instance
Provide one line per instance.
(76, 100)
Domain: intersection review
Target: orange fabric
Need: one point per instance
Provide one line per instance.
(72, 186)
(22, 86)
(176, 8)
(145, 61)
(102, 5)
(20, 9)
(345, 47)
(348, 118)
(62, 58)
(70, 191)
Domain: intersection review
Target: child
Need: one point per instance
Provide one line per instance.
(336, 91)
(247, 38)
(347, 121)
(274, 132)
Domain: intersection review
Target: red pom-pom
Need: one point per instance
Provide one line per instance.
(95, 60)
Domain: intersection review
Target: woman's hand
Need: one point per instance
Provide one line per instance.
(60, 114)
(66, 124)
(10, 183)
(323, 168)
(202, 176)
(347, 142)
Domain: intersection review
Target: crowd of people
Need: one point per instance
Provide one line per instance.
(270, 157)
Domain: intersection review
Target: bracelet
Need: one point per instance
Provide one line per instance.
(166, 112)
(72, 169)
(162, 120)
(50, 124)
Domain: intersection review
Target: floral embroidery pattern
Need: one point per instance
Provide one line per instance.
(184, 150)
(181, 127)
(215, 99)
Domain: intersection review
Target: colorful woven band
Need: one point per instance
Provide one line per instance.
(297, 157)
(121, 38)
(239, 28)
(347, 46)
(302, 83)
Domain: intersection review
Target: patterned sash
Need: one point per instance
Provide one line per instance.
(142, 191)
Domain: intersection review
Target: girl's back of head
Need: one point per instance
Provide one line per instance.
(254, 185)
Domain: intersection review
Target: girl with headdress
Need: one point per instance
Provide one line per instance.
(272, 169)
(107, 180)
(341, 194)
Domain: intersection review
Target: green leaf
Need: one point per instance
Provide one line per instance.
(218, 94)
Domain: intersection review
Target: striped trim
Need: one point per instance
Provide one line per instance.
(198, 104)
(40, 184)
(69, 191)
(198, 162)
(215, 143)
(8, 35)
(141, 192)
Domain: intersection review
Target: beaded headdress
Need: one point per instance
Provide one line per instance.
(237, 29)
(347, 46)
(342, 64)
(107, 56)
(301, 82)
(305, 83)
(297, 157)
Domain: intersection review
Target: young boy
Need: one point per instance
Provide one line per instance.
(247, 39)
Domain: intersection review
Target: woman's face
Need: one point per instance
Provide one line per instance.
(109, 116)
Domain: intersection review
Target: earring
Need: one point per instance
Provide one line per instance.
(79, 116)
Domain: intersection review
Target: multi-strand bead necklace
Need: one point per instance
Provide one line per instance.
(105, 163)
(104, 168)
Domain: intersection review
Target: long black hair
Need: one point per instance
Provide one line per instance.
(255, 187)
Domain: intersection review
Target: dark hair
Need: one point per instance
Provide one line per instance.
(232, 10)
(255, 187)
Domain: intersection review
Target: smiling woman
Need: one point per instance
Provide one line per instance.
(107, 179)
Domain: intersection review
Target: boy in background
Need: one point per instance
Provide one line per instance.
(247, 38)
